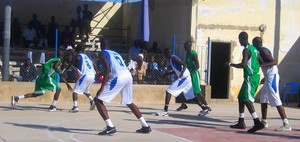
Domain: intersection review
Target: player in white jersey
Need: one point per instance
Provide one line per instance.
(85, 68)
(116, 79)
(182, 85)
(270, 89)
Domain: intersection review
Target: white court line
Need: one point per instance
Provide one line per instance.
(178, 137)
(50, 135)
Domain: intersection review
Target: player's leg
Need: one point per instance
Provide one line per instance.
(15, 99)
(286, 126)
(183, 104)
(241, 122)
(164, 112)
(110, 128)
(92, 103)
(75, 103)
(145, 127)
(264, 112)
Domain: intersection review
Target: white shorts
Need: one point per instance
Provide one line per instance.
(83, 84)
(119, 84)
(184, 85)
(270, 91)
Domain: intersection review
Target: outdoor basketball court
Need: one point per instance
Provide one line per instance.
(32, 122)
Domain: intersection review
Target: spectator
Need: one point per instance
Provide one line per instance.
(152, 71)
(67, 69)
(52, 26)
(139, 72)
(87, 17)
(29, 35)
(66, 38)
(16, 32)
(36, 24)
(135, 50)
(130, 63)
(43, 41)
(154, 49)
(28, 72)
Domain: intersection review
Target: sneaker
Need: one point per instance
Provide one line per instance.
(257, 126)
(14, 101)
(93, 105)
(144, 130)
(183, 106)
(205, 111)
(162, 113)
(284, 128)
(74, 109)
(265, 124)
(108, 130)
(52, 108)
(240, 125)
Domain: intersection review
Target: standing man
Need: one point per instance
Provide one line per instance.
(270, 89)
(250, 66)
(192, 62)
(85, 67)
(182, 85)
(46, 80)
(116, 79)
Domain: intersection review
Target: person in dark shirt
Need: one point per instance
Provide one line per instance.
(28, 72)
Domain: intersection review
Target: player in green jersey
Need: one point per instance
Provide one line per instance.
(250, 65)
(46, 80)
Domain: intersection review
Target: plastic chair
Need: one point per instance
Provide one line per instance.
(290, 88)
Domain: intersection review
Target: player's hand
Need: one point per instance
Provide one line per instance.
(262, 81)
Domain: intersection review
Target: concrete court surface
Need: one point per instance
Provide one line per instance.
(31, 122)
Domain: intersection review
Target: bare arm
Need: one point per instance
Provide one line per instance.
(176, 61)
(246, 57)
(270, 60)
(195, 59)
(106, 73)
(58, 70)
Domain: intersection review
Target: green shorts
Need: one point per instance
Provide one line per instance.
(249, 87)
(43, 83)
(196, 82)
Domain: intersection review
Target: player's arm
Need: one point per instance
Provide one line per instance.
(269, 59)
(58, 70)
(196, 61)
(106, 72)
(95, 66)
(246, 57)
(177, 61)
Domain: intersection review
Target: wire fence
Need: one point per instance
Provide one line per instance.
(25, 66)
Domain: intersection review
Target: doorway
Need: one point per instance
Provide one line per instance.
(219, 73)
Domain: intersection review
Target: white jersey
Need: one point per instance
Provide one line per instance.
(115, 61)
(268, 70)
(178, 68)
(86, 65)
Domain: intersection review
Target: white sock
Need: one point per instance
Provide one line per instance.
(143, 122)
(75, 104)
(264, 120)
(21, 97)
(53, 102)
(109, 123)
(91, 98)
(242, 115)
(254, 115)
(285, 121)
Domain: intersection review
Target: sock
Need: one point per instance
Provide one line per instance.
(75, 104)
(21, 97)
(91, 98)
(285, 121)
(53, 102)
(109, 123)
(166, 107)
(143, 122)
(254, 115)
(264, 120)
(242, 115)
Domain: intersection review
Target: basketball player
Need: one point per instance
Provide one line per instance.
(270, 89)
(116, 79)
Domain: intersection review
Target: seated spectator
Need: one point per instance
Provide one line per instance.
(139, 72)
(130, 63)
(154, 49)
(28, 72)
(135, 50)
(152, 71)
(66, 38)
(29, 35)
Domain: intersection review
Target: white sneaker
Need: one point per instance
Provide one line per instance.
(13, 101)
(265, 124)
(74, 109)
(284, 128)
(52, 108)
(162, 113)
(93, 105)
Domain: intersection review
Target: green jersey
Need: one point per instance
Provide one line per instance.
(48, 70)
(191, 65)
(252, 67)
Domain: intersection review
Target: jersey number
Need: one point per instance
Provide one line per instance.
(119, 60)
